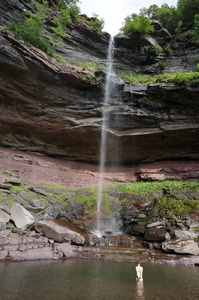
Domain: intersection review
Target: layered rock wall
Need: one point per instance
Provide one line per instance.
(56, 109)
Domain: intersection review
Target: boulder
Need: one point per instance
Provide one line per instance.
(2, 226)
(74, 209)
(18, 199)
(181, 246)
(21, 217)
(4, 207)
(135, 229)
(154, 234)
(60, 231)
(65, 248)
(185, 234)
(156, 224)
(36, 203)
(32, 254)
(4, 217)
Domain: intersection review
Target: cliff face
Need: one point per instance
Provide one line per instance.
(57, 110)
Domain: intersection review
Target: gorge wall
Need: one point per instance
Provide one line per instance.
(56, 109)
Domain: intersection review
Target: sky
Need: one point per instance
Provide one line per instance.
(114, 11)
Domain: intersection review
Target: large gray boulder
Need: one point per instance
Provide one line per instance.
(4, 217)
(181, 246)
(185, 234)
(21, 217)
(60, 231)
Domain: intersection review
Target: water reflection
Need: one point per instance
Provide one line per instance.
(94, 280)
(140, 291)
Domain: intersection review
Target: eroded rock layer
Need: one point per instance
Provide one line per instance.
(57, 111)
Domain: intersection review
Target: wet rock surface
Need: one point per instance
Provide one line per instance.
(145, 230)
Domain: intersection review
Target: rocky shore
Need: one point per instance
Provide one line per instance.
(47, 221)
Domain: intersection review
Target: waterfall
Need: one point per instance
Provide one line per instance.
(105, 123)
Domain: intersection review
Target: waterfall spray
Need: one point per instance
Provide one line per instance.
(105, 122)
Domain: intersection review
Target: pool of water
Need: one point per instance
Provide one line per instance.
(96, 280)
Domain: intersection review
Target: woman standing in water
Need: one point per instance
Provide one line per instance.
(139, 272)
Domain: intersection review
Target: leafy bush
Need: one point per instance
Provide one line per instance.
(179, 78)
(97, 24)
(172, 18)
(195, 31)
(74, 10)
(84, 64)
(29, 27)
(135, 24)
(187, 10)
(178, 206)
(62, 4)
(58, 30)
(31, 32)
(60, 59)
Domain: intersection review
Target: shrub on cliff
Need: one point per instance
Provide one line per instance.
(195, 31)
(187, 10)
(135, 24)
(179, 78)
(29, 26)
(172, 18)
(30, 30)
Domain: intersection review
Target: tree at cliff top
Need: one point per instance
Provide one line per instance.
(172, 18)
(135, 24)
(61, 3)
(187, 10)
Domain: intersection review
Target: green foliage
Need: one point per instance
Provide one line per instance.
(149, 49)
(56, 186)
(149, 190)
(59, 198)
(88, 199)
(85, 64)
(17, 189)
(197, 67)
(64, 18)
(62, 4)
(180, 78)
(60, 59)
(187, 10)
(195, 31)
(178, 206)
(135, 24)
(74, 10)
(168, 16)
(29, 27)
(162, 65)
(60, 23)
(97, 24)
(58, 30)
(31, 32)
(172, 18)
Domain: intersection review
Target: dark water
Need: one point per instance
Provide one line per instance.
(86, 280)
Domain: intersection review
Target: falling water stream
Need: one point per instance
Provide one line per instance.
(104, 130)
